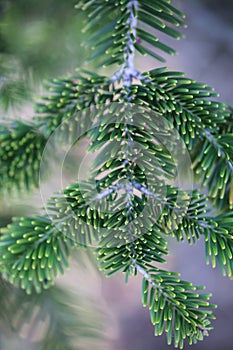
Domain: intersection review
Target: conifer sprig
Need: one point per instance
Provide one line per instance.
(176, 307)
(111, 38)
(128, 206)
(22, 145)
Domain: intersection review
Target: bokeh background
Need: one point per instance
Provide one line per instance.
(41, 40)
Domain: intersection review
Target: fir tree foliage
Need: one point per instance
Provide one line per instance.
(21, 150)
(128, 207)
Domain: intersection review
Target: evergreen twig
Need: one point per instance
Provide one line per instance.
(128, 207)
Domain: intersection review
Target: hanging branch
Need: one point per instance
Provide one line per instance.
(128, 207)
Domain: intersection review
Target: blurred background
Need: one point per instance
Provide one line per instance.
(41, 40)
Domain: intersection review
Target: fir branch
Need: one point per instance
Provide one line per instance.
(66, 102)
(219, 243)
(22, 143)
(126, 207)
(185, 103)
(122, 22)
(213, 164)
(121, 246)
(129, 50)
(21, 148)
(33, 251)
(176, 306)
(227, 126)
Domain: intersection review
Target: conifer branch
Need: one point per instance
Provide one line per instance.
(111, 38)
(213, 163)
(176, 306)
(22, 145)
(127, 208)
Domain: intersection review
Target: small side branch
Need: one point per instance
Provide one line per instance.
(129, 52)
(144, 273)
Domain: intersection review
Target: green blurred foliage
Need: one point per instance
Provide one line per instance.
(38, 40)
(56, 319)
